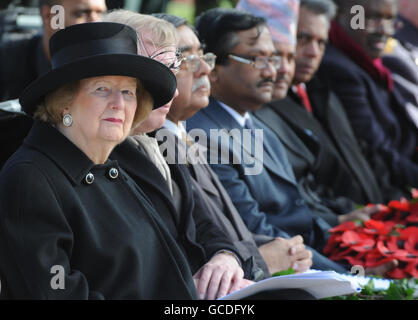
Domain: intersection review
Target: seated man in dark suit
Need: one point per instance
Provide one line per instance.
(267, 198)
(318, 138)
(270, 254)
(352, 67)
(250, 161)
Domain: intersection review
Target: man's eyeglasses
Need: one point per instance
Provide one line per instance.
(192, 62)
(259, 62)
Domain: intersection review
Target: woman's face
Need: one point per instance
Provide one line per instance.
(156, 119)
(103, 110)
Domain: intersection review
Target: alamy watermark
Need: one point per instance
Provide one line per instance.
(58, 17)
(358, 21)
(236, 146)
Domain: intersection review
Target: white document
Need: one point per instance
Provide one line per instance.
(320, 284)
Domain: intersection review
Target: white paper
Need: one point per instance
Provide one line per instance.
(321, 284)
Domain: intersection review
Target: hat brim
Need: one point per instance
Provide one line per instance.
(157, 79)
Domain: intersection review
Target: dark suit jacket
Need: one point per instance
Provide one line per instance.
(13, 129)
(268, 202)
(199, 238)
(376, 115)
(21, 62)
(331, 154)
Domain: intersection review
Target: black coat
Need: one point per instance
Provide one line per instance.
(21, 62)
(13, 129)
(196, 234)
(106, 235)
(213, 199)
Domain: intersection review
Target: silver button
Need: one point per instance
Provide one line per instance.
(113, 173)
(89, 178)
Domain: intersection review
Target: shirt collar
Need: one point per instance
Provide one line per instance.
(178, 130)
(295, 89)
(234, 114)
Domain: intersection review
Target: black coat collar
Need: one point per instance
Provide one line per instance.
(46, 139)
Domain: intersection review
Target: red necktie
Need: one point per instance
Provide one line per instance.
(303, 95)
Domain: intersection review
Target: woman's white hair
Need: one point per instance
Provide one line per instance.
(151, 30)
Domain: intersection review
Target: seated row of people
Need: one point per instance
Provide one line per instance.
(219, 225)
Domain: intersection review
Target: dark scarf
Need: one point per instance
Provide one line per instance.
(374, 67)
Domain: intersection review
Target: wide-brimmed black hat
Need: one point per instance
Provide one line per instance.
(99, 49)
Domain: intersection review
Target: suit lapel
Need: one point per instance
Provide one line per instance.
(286, 135)
(224, 120)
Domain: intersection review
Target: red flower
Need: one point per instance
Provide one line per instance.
(412, 268)
(350, 225)
(397, 273)
(399, 205)
(383, 214)
(375, 258)
(389, 235)
(395, 254)
(413, 216)
(377, 227)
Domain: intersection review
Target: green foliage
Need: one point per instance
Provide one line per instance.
(284, 272)
(405, 289)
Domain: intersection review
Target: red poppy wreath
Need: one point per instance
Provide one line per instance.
(390, 234)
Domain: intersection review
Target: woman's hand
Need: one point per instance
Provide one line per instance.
(219, 276)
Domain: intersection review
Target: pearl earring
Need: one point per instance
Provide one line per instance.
(67, 120)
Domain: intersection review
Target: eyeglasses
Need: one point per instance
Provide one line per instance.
(259, 62)
(192, 62)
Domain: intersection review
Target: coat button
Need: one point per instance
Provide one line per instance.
(89, 178)
(113, 173)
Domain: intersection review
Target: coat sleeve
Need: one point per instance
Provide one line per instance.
(36, 240)
(247, 206)
(208, 234)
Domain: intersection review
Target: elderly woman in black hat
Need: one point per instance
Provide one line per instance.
(73, 225)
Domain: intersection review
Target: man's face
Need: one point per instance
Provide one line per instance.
(286, 71)
(379, 22)
(193, 85)
(82, 11)
(312, 37)
(240, 85)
